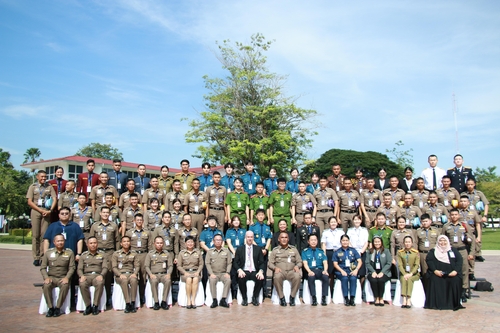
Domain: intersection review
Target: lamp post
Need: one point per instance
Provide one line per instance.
(23, 218)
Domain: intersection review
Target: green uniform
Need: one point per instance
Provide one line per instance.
(259, 202)
(385, 232)
(186, 180)
(238, 202)
(281, 203)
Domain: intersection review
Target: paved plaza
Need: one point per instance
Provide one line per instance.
(20, 300)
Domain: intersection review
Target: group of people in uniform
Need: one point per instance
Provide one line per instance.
(232, 229)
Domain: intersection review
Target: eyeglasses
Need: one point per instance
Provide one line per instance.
(64, 213)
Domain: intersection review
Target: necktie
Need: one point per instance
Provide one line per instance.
(310, 229)
(249, 258)
(434, 179)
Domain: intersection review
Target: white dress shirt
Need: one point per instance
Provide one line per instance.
(358, 237)
(427, 176)
(331, 238)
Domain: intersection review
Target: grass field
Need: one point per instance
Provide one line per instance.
(491, 239)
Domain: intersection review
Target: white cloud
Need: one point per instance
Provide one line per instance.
(20, 111)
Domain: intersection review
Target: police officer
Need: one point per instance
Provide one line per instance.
(280, 205)
(92, 269)
(39, 196)
(250, 178)
(57, 267)
(152, 192)
(336, 180)
(158, 264)
(127, 217)
(190, 264)
(195, 203)
(302, 233)
(165, 181)
(167, 232)
(396, 193)
(409, 212)
(99, 191)
(473, 221)
(218, 264)
(216, 196)
(370, 201)
(437, 211)
(420, 195)
(237, 203)
(82, 215)
(69, 197)
(206, 179)
(228, 180)
(426, 238)
(327, 204)
(397, 237)
(124, 201)
(286, 263)
(186, 231)
(382, 230)
(302, 203)
(125, 264)
(185, 177)
(390, 211)
(408, 264)
(316, 266)
(459, 175)
(258, 201)
(348, 199)
(117, 178)
(114, 212)
(448, 195)
(152, 217)
(347, 263)
(176, 194)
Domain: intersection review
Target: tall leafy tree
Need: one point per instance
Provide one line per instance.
(13, 187)
(99, 150)
(4, 159)
(32, 155)
(247, 114)
(403, 158)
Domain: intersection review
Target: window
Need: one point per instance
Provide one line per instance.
(73, 171)
(50, 172)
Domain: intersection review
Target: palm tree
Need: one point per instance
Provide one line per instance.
(31, 155)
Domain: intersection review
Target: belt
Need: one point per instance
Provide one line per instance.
(215, 208)
(140, 251)
(126, 272)
(196, 213)
(324, 210)
(348, 211)
(101, 249)
(330, 250)
(424, 251)
(191, 270)
(438, 225)
(159, 272)
(93, 273)
(371, 210)
(462, 248)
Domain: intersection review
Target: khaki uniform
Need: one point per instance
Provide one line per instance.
(152, 219)
(390, 215)
(347, 207)
(445, 197)
(189, 262)
(124, 202)
(196, 204)
(285, 259)
(426, 240)
(98, 192)
(218, 263)
(324, 212)
(397, 195)
(216, 197)
(140, 243)
(171, 197)
(83, 218)
(39, 223)
(397, 240)
(149, 194)
(471, 218)
(91, 266)
(165, 185)
(409, 213)
(127, 217)
(186, 180)
(299, 201)
(336, 183)
(182, 233)
(114, 214)
(177, 218)
(56, 266)
(436, 212)
(159, 264)
(367, 201)
(169, 235)
(359, 184)
(462, 239)
(420, 199)
(408, 262)
(67, 199)
(126, 263)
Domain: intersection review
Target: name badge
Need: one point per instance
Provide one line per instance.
(313, 263)
(40, 202)
(250, 186)
(89, 189)
(120, 266)
(196, 208)
(323, 202)
(139, 243)
(421, 204)
(426, 243)
(261, 206)
(370, 202)
(185, 186)
(263, 240)
(347, 262)
(407, 268)
(228, 190)
(387, 222)
(82, 224)
(394, 202)
(211, 244)
(103, 200)
(471, 207)
(58, 196)
(350, 203)
(337, 188)
(239, 204)
(452, 254)
(407, 221)
(164, 265)
(377, 265)
(110, 218)
(303, 206)
(433, 218)
(289, 259)
(282, 203)
(104, 236)
(216, 201)
(446, 203)
(119, 186)
(64, 234)
(167, 242)
(142, 191)
(237, 242)
(53, 255)
(455, 239)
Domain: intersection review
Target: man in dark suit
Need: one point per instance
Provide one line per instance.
(459, 174)
(302, 234)
(87, 180)
(117, 178)
(141, 181)
(250, 265)
(408, 183)
(382, 182)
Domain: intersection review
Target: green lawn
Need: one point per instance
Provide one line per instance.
(491, 239)
(14, 239)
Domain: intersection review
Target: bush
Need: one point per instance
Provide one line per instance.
(15, 239)
(19, 232)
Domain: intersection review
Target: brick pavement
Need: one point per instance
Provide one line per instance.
(19, 301)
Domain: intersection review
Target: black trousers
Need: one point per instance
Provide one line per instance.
(242, 283)
(378, 285)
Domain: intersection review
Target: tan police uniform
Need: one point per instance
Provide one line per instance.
(141, 243)
(126, 263)
(91, 265)
(67, 199)
(347, 207)
(461, 238)
(324, 212)
(56, 266)
(127, 217)
(471, 218)
(170, 197)
(182, 233)
(152, 219)
(216, 196)
(196, 204)
(446, 197)
(397, 195)
(397, 240)
(426, 240)
(165, 185)
(83, 217)
(359, 184)
(169, 235)
(436, 212)
(149, 194)
(39, 223)
(409, 213)
(420, 198)
(300, 201)
(390, 215)
(189, 262)
(124, 202)
(114, 214)
(368, 203)
(186, 180)
(285, 259)
(159, 265)
(98, 192)
(218, 263)
(177, 218)
(336, 183)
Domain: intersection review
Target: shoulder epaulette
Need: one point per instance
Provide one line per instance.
(389, 228)
(402, 250)
(374, 227)
(451, 169)
(414, 250)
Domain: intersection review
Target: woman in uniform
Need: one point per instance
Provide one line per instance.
(408, 264)
(378, 265)
(177, 213)
(190, 264)
(347, 262)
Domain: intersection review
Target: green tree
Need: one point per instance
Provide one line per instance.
(4, 159)
(99, 150)
(248, 116)
(486, 175)
(31, 155)
(349, 160)
(13, 187)
(403, 158)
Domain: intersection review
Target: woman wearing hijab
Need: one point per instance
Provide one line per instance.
(445, 283)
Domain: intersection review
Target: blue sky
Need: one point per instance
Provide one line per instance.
(125, 73)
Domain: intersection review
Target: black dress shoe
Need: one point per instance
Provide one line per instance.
(223, 303)
(283, 301)
(164, 305)
(95, 310)
(244, 302)
(323, 301)
(36, 262)
(346, 301)
(132, 307)
(351, 302)
(127, 308)
(156, 306)
(88, 310)
(472, 277)
(314, 301)
(292, 301)
(255, 301)
(193, 306)
(189, 307)
(57, 312)
(480, 259)
(381, 304)
(214, 304)
(50, 313)
(109, 302)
